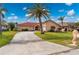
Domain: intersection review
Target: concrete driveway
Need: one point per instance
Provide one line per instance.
(27, 43)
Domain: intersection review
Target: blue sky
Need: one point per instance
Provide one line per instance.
(16, 11)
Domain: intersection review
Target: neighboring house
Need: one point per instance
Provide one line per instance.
(68, 26)
(47, 25)
(5, 25)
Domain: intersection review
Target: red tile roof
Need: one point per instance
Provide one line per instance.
(27, 24)
(31, 24)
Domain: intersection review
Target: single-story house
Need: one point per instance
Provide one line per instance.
(47, 25)
(68, 26)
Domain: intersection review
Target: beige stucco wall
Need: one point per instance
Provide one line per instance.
(49, 24)
(46, 25)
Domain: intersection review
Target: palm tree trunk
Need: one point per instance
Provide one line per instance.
(62, 23)
(0, 26)
(41, 27)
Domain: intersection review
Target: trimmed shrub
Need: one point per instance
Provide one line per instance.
(51, 30)
(25, 29)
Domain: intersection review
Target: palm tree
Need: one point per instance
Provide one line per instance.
(37, 11)
(1, 17)
(61, 18)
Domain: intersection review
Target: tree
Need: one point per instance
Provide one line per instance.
(1, 17)
(76, 24)
(37, 11)
(61, 18)
(11, 26)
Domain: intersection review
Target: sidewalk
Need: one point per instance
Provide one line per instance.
(27, 43)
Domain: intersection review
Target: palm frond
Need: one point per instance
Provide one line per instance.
(38, 11)
(61, 18)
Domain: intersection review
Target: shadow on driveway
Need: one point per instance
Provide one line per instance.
(25, 41)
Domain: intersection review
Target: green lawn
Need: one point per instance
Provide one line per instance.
(56, 37)
(6, 37)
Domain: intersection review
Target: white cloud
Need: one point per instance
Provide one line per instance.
(66, 21)
(68, 17)
(62, 10)
(9, 17)
(13, 14)
(26, 15)
(28, 20)
(24, 8)
(13, 17)
(68, 4)
(52, 19)
(57, 21)
(72, 17)
(71, 12)
(77, 19)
